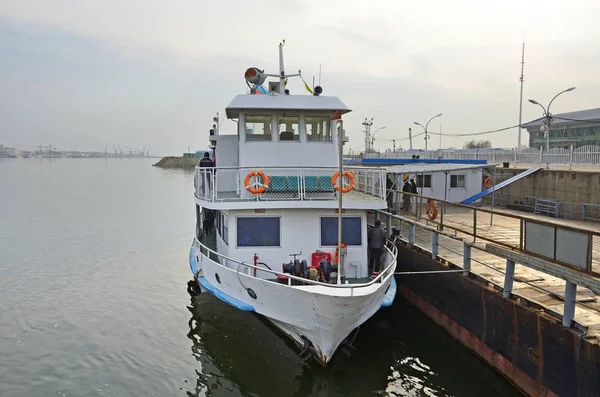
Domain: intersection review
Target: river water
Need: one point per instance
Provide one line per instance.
(93, 302)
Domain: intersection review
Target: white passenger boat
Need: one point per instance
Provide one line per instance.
(275, 199)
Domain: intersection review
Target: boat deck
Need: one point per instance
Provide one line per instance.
(533, 285)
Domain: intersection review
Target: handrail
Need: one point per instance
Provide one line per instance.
(394, 253)
(499, 212)
(292, 167)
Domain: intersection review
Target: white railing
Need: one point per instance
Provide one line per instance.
(582, 157)
(285, 183)
(389, 262)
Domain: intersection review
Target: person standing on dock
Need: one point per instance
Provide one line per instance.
(206, 162)
(390, 195)
(406, 188)
(413, 186)
(376, 240)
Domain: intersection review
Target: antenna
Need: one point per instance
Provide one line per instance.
(367, 124)
(319, 74)
(521, 79)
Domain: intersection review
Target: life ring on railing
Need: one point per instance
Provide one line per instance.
(431, 209)
(256, 187)
(336, 256)
(488, 182)
(348, 175)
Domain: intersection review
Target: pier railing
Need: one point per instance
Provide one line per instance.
(552, 240)
(284, 183)
(585, 157)
(516, 273)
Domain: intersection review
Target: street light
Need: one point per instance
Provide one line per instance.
(373, 136)
(425, 128)
(548, 121)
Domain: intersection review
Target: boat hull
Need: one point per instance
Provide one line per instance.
(317, 315)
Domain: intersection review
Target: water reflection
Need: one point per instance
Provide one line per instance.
(398, 353)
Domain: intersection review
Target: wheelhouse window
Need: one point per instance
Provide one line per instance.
(258, 231)
(424, 181)
(258, 128)
(318, 129)
(288, 128)
(351, 230)
(457, 181)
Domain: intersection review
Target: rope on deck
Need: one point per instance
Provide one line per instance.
(430, 272)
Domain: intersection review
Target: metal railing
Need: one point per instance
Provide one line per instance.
(582, 157)
(461, 254)
(389, 262)
(570, 246)
(284, 183)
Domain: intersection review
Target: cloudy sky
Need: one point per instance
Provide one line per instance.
(82, 74)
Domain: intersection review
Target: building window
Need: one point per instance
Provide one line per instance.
(457, 181)
(424, 181)
(258, 128)
(318, 129)
(288, 128)
(258, 231)
(351, 230)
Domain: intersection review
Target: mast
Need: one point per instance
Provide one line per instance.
(338, 116)
(521, 98)
(281, 70)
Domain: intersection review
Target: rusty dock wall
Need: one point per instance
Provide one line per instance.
(533, 350)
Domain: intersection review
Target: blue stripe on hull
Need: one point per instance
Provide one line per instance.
(389, 296)
(193, 261)
(223, 296)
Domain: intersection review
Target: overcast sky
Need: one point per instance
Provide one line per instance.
(84, 73)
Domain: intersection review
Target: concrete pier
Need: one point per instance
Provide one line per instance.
(177, 162)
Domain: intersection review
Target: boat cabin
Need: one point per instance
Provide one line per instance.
(274, 192)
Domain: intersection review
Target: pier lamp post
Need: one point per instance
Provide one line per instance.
(425, 128)
(548, 121)
(373, 136)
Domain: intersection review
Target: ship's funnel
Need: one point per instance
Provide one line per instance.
(255, 76)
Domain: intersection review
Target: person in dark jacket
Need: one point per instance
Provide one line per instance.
(413, 186)
(406, 188)
(390, 195)
(376, 240)
(209, 220)
(206, 162)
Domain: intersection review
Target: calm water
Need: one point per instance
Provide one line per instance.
(93, 302)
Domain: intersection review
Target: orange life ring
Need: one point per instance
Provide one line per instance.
(336, 256)
(431, 209)
(488, 182)
(260, 186)
(348, 175)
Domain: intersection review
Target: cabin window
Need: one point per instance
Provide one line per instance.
(198, 222)
(258, 231)
(351, 230)
(225, 225)
(258, 128)
(457, 181)
(318, 129)
(288, 128)
(424, 181)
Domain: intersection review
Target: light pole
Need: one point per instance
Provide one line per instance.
(425, 128)
(548, 122)
(373, 136)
